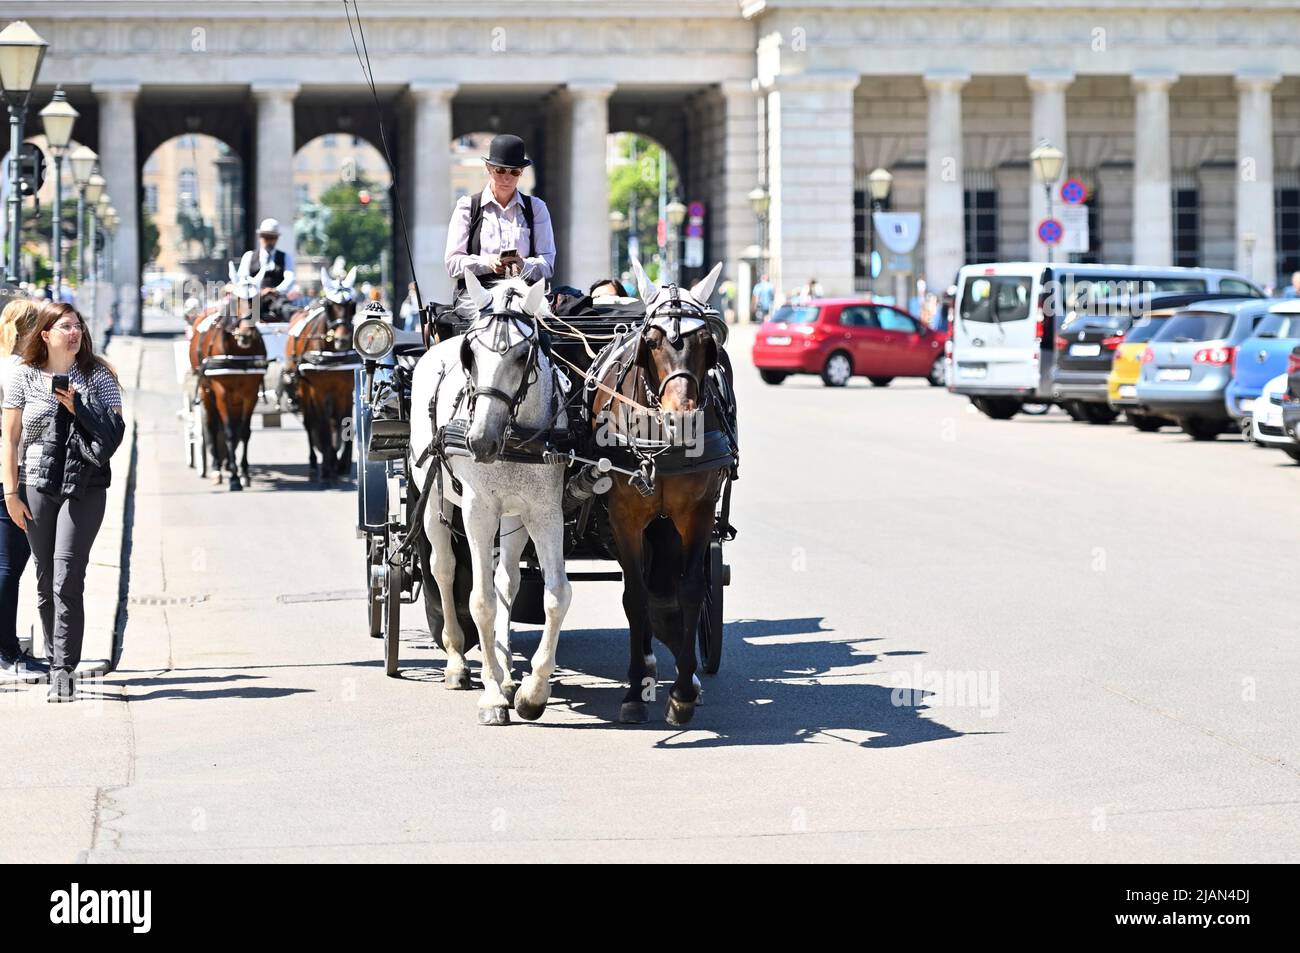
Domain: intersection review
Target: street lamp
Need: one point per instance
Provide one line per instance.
(102, 206)
(760, 201)
(58, 118)
(675, 212)
(1047, 162)
(82, 159)
(21, 52)
(617, 225)
(879, 183)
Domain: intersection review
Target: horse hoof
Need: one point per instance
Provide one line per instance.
(509, 691)
(529, 711)
(495, 715)
(456, 681)
(680, 713)
(633, 713)
(235, 485)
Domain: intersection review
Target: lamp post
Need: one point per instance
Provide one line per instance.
(110, 245)
(102, 206)
(82, 159)
(94, 188)
(675, 212)
(21, 52)
(1047, 162)
(760, 201)
(58, 118)
(617, 225)
(879, 183)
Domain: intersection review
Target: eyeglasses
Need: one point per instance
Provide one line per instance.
(68, 328)
(504, 170)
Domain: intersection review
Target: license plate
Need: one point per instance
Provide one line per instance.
(1246, 405)
(972, 371)
(778, 340)
(1085, 350)
(1128, 390)
(1174, 374)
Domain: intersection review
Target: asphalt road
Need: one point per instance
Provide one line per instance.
(948, 639)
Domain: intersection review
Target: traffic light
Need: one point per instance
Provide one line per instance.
(363, 196)
(31, 169)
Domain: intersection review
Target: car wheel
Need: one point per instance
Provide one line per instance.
(1034, 410)
(1074, 409)
(1293, 453)
(880, 381)
(838, 370)
(1145, 423)
(773, 377)
(996, 408)
(1201, 429)
(1098, 414)
(936, 376)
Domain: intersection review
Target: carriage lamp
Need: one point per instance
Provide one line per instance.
(82, 159)
(373, 339)
(58, 119)
(21, 52)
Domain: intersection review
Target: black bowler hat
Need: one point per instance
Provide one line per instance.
(508, 151)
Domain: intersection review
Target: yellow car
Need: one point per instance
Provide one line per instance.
(1121, 385)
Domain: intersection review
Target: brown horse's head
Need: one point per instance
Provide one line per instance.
(678, 347)
(339, 300)
(238, 325)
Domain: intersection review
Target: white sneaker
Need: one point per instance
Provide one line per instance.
(23, 669)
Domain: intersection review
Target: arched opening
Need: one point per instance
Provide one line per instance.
(341, 186)
(644, 182)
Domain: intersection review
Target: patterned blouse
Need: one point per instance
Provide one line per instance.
(29, 389)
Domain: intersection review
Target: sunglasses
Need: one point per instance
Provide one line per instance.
(503, 170)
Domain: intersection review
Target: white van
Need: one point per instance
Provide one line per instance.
(1001, 344)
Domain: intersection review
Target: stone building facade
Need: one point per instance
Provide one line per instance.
(1182, 118)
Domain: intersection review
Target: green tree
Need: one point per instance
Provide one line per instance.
(358, 231)
(634, 181)
(149, 229)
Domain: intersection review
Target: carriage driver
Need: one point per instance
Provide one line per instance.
(272, 267)
(500, 231)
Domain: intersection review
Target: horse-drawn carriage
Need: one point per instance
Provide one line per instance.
(392, 501)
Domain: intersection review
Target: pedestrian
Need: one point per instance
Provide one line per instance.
(1293, 290)
(62, 423)
(761, 300)
(16, 320)
(409, 312)
(727, 293)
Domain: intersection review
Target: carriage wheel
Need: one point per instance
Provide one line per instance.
(392, 607)
(710, 625)
(374, 595)
(201, 422)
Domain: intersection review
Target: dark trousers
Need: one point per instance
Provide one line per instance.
(61, 532)
(14, 553)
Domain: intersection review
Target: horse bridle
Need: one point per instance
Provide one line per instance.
(331, 327)
(676, 310)
(499, 322)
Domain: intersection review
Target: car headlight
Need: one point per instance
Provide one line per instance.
(373, 339)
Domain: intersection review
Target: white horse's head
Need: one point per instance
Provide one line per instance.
(339, 292)
(499, 353)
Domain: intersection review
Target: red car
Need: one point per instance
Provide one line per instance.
(840, 337)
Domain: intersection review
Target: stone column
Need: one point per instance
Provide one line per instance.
(810, 158)
(945, 215)
(274, 151)
(1255, 245)
(1153, 225)
(586, 257)
(117, 164)
(1048, 122)
(736, 228)
(430, 186)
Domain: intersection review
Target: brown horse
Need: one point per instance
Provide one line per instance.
(224, 352)
(316, 337)
(662, 530)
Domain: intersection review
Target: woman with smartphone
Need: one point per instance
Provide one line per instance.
(62, 422)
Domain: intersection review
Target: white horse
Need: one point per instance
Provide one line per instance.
(497, 359)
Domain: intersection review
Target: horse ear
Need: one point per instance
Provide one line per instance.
(536, 297)
(704, 287)
(644, 286)
(479, 296)
(327, 282)
(351, 278)
(234, 275)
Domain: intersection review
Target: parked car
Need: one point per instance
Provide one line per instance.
(1187, 366)
(1265, 424)
(1008, 313)
(1086, 347)
(839, 338)
(1291, 401)
(1261, 358)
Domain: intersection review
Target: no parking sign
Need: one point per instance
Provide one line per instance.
(1073, 192)
(1050, 231)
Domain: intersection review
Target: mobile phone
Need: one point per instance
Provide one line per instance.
(509, 253)
(58, 382)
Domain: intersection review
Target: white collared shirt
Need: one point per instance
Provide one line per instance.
(501, 228)
(265, 258)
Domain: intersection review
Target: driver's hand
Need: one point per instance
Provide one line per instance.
(494, 264)
(267, 292)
